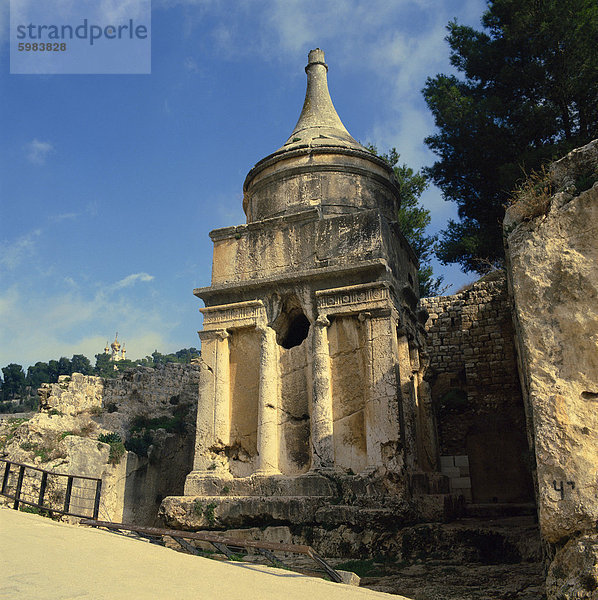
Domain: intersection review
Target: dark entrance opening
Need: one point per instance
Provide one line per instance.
(291, 324)
(297, 331)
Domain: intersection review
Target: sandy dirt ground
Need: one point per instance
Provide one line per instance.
(42, 560)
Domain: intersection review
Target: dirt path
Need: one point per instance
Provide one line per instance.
(42, 560)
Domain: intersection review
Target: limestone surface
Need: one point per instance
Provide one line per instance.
(153, 410)
(311, 343)
(552, 264)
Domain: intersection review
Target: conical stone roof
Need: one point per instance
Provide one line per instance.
(319, 123)
(320, 166)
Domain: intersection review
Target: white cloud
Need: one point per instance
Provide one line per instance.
(191, 65)
(117, 11)
(74, 319)
(14, 253)
(130, 280)
(64, 217)
(37, 151)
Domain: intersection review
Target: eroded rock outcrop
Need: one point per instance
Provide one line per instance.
(552, 252)
(85, 422)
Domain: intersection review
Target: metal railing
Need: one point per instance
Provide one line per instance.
(73, 495)
(224, 544)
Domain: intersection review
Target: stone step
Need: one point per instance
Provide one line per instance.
(218, 512)
(509, 540)
(439, 507)
(308, 484)
(498, 510)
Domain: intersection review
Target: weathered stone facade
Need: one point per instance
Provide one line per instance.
(312, 397)
(475, 389)
(552, 252)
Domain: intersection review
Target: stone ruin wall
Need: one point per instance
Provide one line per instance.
(551, 237)
(476, 393)
(133, 488)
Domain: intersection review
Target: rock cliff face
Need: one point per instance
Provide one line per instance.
(551, 237)
(151, 410)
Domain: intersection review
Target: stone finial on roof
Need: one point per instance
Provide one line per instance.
(319, 122)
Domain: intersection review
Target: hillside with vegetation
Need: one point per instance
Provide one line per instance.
(18, 387)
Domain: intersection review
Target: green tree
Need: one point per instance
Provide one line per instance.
(81, 364)
(159, 358)
(528, 94)
(414, 219)
(13, 385)
(64, 366)
(53, 370)
(37, 374)
(186, 355)
(104, 367)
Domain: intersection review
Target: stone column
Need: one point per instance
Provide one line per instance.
(382, 419)
(213, 410)
(322, 441)
(222, 391)
(268, 404)
(407, 399)
(429, 459)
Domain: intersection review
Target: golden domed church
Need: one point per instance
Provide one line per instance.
(115, 350)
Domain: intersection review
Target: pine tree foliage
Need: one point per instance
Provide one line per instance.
(527, 94)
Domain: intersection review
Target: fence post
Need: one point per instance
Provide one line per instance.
(42, 489)
(67, 496)
(6, 476)
(19, 486)
(96, 504)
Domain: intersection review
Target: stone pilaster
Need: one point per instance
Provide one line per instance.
(322, 443)
(269, 403)
(382, 413)
(407, 399)
(213, 420)
(428, 455)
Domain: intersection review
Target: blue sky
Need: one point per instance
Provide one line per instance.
(110, 184)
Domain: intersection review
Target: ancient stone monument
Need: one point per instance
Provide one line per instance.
(311, 388)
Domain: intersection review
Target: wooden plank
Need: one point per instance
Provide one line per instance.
(202, 536)
(221, 542)
(329, 570)
(42, 489)
(272, 558)
(186, 545)
(223, 549)
(96, 502)
(43, 486)
(67, 496)
(18, 464)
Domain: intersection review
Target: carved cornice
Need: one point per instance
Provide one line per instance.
(354, 299)
(235, 315)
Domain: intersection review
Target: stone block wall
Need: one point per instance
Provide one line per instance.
(476, 392)
(456, 468)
